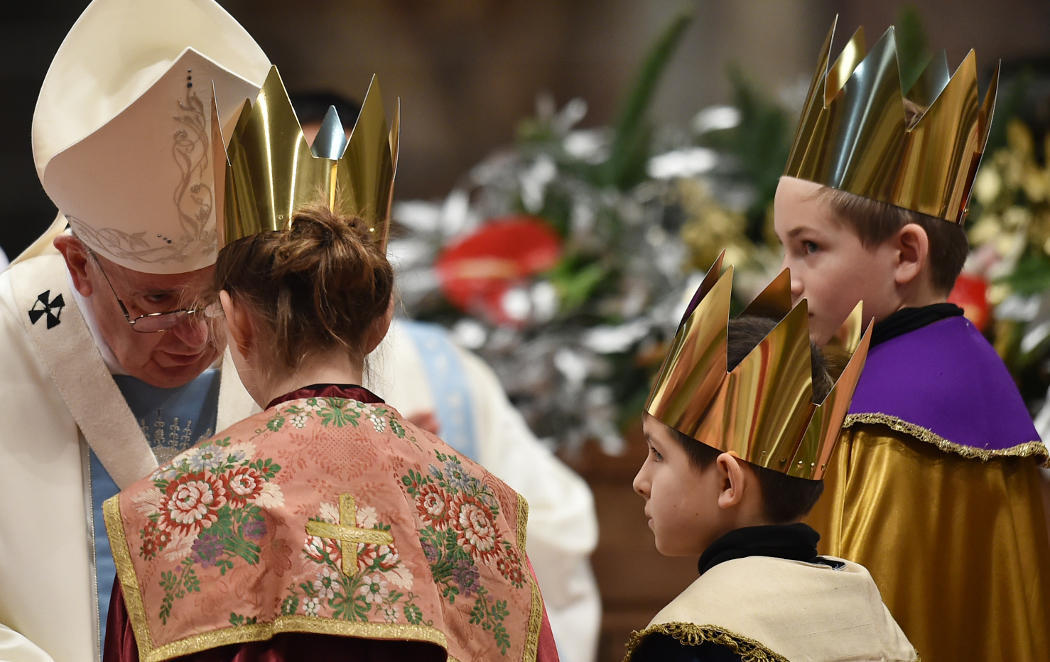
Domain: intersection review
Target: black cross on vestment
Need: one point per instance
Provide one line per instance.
(44, 305)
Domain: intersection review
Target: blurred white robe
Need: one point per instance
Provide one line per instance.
(562, 529)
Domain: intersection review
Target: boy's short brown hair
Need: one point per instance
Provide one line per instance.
(874, 222)
(784, 498)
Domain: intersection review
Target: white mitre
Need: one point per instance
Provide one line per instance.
(122, 128)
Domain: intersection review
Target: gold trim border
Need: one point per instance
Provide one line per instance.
(1033, 449)
(691, 634)
(531, 649)
(129, 582)
(148, 652)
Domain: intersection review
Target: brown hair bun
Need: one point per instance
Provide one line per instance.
(316, 286)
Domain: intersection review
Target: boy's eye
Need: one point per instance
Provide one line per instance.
(809, 247)
(655, 454)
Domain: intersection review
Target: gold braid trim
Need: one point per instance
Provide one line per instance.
(691, 634)
(1033, 449)
(532, 641)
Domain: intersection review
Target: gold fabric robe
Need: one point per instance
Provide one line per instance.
(957, 545)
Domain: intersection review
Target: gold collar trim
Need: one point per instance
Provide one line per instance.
(691, 634)
(1033, 449)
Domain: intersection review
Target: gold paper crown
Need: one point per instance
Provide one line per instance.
(854, 134)
(271, 171)
(763, 409)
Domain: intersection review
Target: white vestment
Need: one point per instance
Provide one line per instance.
(57, 398)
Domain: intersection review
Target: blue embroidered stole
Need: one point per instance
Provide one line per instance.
(172, 419)
(448, 385)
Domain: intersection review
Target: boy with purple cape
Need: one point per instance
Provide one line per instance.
(935, 486)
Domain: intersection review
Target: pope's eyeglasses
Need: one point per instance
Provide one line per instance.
(150, 322)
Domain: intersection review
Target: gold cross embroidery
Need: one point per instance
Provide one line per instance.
(348, 534)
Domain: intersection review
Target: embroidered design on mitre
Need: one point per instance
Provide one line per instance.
(271, 171)
(854, 134)
(763, 409)
(124, 152)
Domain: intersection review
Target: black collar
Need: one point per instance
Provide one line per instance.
(909, 319)
(797, 542)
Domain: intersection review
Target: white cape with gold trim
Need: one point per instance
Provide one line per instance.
(777, 609)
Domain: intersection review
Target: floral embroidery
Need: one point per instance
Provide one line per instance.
(460, 514)
(206, 509)
(334, 412)
(381, 586)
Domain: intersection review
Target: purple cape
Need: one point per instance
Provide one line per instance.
(944, 383)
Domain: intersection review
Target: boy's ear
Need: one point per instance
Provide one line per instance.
(913, 252)
(734, 480)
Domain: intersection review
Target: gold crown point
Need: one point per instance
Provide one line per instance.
(824, 428)
(714, 272)
(774, 300)
(839, 73)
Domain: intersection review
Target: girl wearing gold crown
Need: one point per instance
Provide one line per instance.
(936, 484)
(327, 526)
(740, 424)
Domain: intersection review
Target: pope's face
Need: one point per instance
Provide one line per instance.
(166, 359)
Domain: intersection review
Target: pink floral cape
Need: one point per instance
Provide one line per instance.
(331, 516)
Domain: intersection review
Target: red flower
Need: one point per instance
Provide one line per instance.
(475, 527)
(242, 485)
(433, 506)
(509, 565)
(154, 539)
(191, 503)
(318, 549)
(478, 270)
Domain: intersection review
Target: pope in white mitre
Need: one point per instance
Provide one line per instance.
(106, 367)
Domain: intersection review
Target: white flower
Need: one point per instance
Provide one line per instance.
(166, 472)
(311, 605)
(299, 420)
(377, 422)
(325, 586)
(367, 517)
(374, 589)
(330, 512)
(401, 576)
(390, 614)
(206, 457)
(149, 501)
(312, 404)
(271, 496)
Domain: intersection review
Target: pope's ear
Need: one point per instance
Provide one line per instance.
(75, 253)
(239, 329)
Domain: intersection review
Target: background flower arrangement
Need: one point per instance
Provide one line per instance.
(565, 260)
